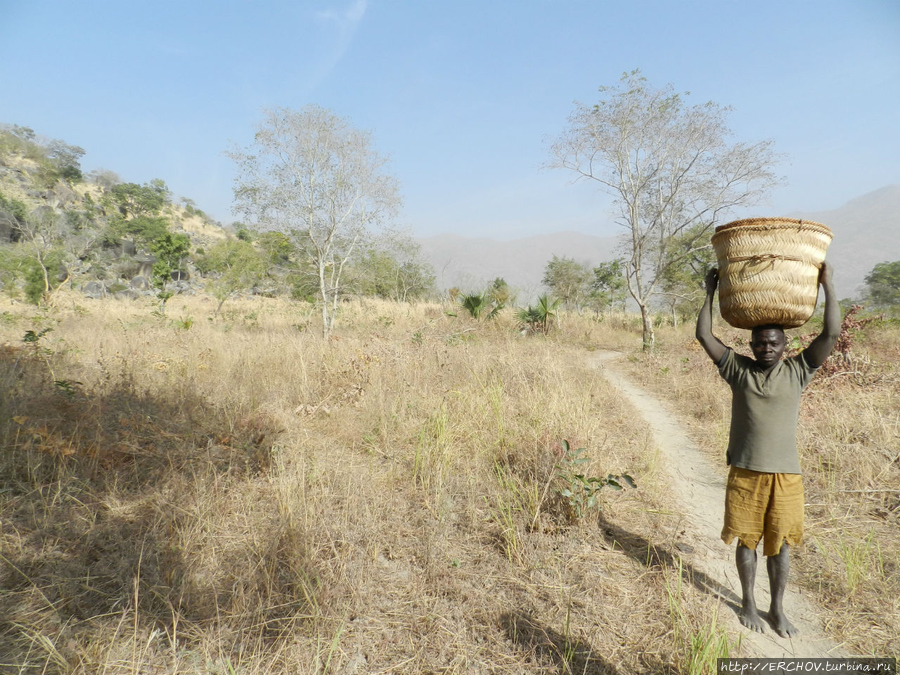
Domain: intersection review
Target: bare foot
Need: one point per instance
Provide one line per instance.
(782, 626)
(751, 619)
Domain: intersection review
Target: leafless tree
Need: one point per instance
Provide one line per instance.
(104, 178)
(311, 176)
(669, 166)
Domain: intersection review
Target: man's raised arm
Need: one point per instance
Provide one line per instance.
(710, 343)
(821, 347)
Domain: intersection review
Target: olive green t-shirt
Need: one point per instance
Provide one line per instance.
(764, 412)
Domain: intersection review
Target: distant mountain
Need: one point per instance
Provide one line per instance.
(470, 263)
(866, 232)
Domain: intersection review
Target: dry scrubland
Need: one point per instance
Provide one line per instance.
(182, 495)
(849, 441)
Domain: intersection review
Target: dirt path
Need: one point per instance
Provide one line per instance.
(701, 491)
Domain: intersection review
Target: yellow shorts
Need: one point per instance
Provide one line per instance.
(763, 505)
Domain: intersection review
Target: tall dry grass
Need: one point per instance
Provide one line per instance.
(849, 442)
(185, 494)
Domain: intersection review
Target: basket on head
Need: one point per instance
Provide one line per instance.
(769, 270)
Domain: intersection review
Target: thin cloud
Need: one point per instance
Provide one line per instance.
(347, 18)
(345, 21)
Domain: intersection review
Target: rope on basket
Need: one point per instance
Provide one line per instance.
(771, 257)
(764, 256)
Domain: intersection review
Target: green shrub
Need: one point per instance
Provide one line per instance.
(12, 209)
(36, 285)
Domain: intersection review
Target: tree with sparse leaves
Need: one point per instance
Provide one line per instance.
(609, 287)
(104, 178)
(312, 177)
(392, 268)
(669, 166)
(568, 279)
(682, 287)
(42, 238)
(233, 266)
(66, 160)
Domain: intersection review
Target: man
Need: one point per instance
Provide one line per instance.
(764, 495)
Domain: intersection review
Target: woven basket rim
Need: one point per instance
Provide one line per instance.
(775, 223)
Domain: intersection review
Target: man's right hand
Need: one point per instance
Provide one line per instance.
(711, 344)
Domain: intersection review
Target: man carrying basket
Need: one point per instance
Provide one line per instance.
(764, 493)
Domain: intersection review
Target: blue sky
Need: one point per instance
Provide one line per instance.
(464, 96)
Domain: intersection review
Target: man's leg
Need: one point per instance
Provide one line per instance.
(778, 567)
(746, 566)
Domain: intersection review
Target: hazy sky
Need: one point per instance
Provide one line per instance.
(464, 96)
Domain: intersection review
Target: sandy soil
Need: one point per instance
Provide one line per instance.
(700, 490)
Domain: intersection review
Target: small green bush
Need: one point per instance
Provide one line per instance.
(35, 287)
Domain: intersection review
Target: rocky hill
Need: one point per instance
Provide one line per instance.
(77, 221)
(108, 237)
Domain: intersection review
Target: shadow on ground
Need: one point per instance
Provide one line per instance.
(569, 655)
(96, 495)
(657, 557)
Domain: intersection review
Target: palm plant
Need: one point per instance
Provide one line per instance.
(480, 305)
(538, 318)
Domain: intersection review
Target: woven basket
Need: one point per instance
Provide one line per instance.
(769, 270)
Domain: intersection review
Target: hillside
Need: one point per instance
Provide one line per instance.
(103, 236)
(92, 231)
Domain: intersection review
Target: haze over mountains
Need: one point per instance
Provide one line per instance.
(469, 263)
(866, 232)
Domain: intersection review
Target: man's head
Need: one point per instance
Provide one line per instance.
(768, 344)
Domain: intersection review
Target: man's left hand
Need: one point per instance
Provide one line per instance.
(825, 273)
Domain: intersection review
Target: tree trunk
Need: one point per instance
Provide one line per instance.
(46, 276)
(335, 299)
(649, 338)
(326, 328)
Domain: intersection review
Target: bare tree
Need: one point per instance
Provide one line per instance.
(104, 178)
(312, 177)
(669, 167)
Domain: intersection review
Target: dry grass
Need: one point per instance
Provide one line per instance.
(849, 440)
(181, 494)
